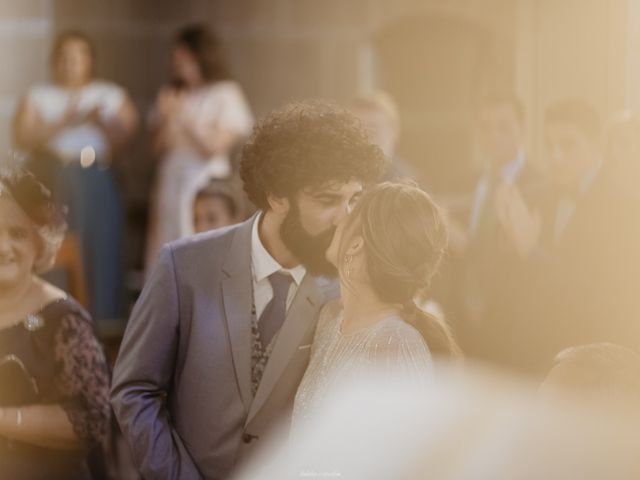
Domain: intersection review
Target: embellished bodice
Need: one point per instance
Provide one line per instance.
(390, 346)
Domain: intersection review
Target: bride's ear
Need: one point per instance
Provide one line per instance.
(356, 245)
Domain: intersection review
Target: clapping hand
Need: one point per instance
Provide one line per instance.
(72, 114)
(169, 102)
(75, 116)
(521, 224)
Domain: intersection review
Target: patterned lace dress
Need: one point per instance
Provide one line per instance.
(391, 346)
(53, 357)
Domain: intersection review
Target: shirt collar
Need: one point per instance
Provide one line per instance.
(511, 170)
(590, 176)
(264, 264)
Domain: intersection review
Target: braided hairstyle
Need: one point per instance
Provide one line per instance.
(405, 236)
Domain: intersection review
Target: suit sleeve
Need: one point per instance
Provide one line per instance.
(143, 374)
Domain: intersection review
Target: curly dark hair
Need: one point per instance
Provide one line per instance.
(307, 144)
(405, 235)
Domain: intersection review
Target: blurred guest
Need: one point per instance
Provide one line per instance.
(598, 259)
(386, 252)
(574, 143)
(54, 406)
(82, 122)
(379, 115)
(582, 243)
(212, 204)
(484, 269)
(574, 137)
(602, 373)
(500, 132)
(196, 121)
(622, 151)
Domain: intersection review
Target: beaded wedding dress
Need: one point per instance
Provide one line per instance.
(391, 349)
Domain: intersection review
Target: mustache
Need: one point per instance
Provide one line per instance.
(325, 237)
(309, 249)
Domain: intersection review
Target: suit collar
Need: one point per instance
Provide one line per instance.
(237, 298)
(300, 317)
(238, 257)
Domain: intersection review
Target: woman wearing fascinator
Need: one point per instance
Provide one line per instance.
(54, 405)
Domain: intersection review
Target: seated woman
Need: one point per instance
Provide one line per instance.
(386, 252)
(54, 406)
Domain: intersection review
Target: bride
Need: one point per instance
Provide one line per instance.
(386, 252)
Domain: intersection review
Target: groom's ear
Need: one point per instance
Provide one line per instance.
(356, 245)
(279, 205)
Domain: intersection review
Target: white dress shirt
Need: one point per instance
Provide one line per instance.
(263, 265)
(509, 174)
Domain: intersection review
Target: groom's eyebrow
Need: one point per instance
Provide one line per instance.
(326, 196)
(330, 193)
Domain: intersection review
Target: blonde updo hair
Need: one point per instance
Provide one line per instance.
(35, 201)
(405, 236)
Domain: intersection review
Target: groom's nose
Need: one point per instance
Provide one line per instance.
(340, 213)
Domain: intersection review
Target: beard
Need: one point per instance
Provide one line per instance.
(310, 250)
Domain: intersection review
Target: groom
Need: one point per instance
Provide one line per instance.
(218, 341)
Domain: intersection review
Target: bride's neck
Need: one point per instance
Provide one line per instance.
(362, 307)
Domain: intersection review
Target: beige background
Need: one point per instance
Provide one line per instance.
(433, 55)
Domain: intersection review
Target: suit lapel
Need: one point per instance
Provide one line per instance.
(237, 290)
(300, 316)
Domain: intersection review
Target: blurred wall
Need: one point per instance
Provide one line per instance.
(25, 30)
(632, 34)
(576, 48)
(434, 56)
(428, 53)
(284, 49)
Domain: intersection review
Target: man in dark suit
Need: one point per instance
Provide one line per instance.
(219, 339)
(596, 259)
(490, 267)
(581, 244)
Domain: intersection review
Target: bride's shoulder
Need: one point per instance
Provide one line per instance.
(398, 345)
(395, 333)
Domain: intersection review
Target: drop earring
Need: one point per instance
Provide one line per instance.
(347, 260)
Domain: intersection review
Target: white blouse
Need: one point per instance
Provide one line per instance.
(217, 105)
(52, 102)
